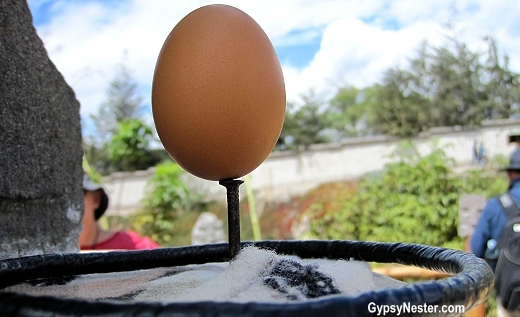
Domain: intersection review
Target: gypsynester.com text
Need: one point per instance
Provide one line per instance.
(408, 308)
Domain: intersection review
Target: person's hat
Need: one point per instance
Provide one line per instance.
(514, 136)
(89, 185)
(514, 161)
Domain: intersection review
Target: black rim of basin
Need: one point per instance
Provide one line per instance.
(470, 285)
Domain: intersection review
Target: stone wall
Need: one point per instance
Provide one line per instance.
(41, 197)
(286, 174)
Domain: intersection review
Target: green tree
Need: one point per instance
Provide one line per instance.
(123, 102)
(129, 147)
(502, 86)
(348, 112)
(445, 86)
(399, 111)
(304, 124)
(458, 97)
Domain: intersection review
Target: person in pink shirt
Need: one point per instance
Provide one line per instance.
(93, 237)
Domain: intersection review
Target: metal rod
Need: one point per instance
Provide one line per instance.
(233, 203)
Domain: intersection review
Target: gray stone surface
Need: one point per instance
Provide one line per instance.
(208, 229)
(470, 208)
(41, 198)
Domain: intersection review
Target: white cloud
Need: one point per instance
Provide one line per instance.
(86, 40)
(355, 53)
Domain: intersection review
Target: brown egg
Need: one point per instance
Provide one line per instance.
(218, 94)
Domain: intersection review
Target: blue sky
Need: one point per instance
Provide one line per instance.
(322, 45)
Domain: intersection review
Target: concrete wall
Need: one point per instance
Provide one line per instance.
(285, 174)
(41, 199)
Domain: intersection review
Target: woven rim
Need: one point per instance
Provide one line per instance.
(471, 284)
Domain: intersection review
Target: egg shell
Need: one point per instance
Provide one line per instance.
(218, 94)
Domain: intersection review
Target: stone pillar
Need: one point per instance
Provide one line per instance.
(41, 198)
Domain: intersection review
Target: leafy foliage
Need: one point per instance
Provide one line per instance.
(129, 146)
(502, 85)
(303, 125)
(414, 200)
(348, 112)
(167, 198)
(486, 182)
(446, 86)
(400, 112)
(92, 173)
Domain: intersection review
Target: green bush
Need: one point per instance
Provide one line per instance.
(166, 199)
(414, 200)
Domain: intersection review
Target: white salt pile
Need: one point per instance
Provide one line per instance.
(255, 275)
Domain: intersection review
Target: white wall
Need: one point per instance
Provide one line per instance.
(285, 174)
